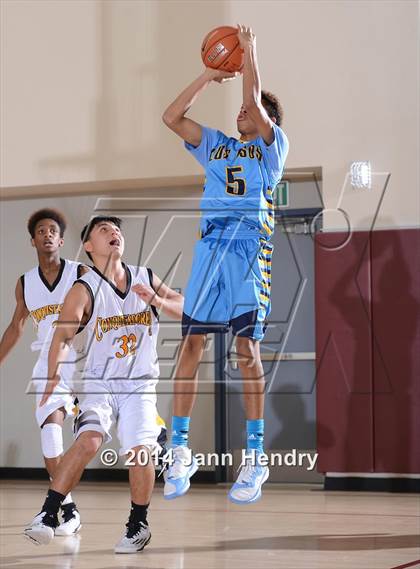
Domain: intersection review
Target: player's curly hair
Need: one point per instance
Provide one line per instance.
(87, 230)
(46, 213)
(273, 106)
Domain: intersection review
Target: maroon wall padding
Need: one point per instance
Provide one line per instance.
(343, 348)
(396, 329)
(367, 297)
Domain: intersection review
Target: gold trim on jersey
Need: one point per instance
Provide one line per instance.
(160, 422)
(268, 229)
(104, 325)
(41, 313)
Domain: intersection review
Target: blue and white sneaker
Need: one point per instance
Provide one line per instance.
(247, 488)
(177, 477)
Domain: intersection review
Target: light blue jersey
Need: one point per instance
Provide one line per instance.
(240, 178)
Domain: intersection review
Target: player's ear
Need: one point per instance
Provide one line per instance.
(274, 120)
(87, 246)
(32, 242)
(61, 242)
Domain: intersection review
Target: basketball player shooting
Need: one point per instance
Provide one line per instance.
(229, 285)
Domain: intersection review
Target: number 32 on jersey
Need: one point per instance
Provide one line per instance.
(128, 346)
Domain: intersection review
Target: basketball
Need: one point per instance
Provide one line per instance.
(221, 50)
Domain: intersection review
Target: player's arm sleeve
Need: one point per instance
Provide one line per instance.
(209, 139)
(274, 154)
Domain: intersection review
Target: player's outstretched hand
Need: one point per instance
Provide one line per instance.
(49, 388)
(145, 292)
(221, 76)
(246, 36)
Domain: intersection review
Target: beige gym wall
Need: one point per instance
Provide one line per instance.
(84, 85)
(167, 247)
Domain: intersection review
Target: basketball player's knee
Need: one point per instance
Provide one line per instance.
(193, 344)
(56, 417)
(51, 440)
(140, 456)
(88, 430)
(247, 352)
(89, 443)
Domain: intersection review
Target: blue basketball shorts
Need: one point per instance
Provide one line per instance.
(229, 286)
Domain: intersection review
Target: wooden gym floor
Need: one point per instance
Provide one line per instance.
(292, 527)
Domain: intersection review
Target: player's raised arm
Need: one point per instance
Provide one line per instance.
(162, 297)
(252, 85)
(75, 311)
(174, 116)
(15, 329)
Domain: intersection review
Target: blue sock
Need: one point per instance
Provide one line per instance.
(255, 435)
(180, 428)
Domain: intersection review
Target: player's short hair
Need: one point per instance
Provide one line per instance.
(87, 230)
(273, 106)
(46, 213)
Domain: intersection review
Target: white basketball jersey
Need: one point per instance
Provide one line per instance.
(44, 301)
(119, 340)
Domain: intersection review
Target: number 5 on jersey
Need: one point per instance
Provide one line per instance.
(235, 185)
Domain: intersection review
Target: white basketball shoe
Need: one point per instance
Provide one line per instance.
(247, 488)
(177, 477)
(42, 528)
(71, 520)
(135, 539)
